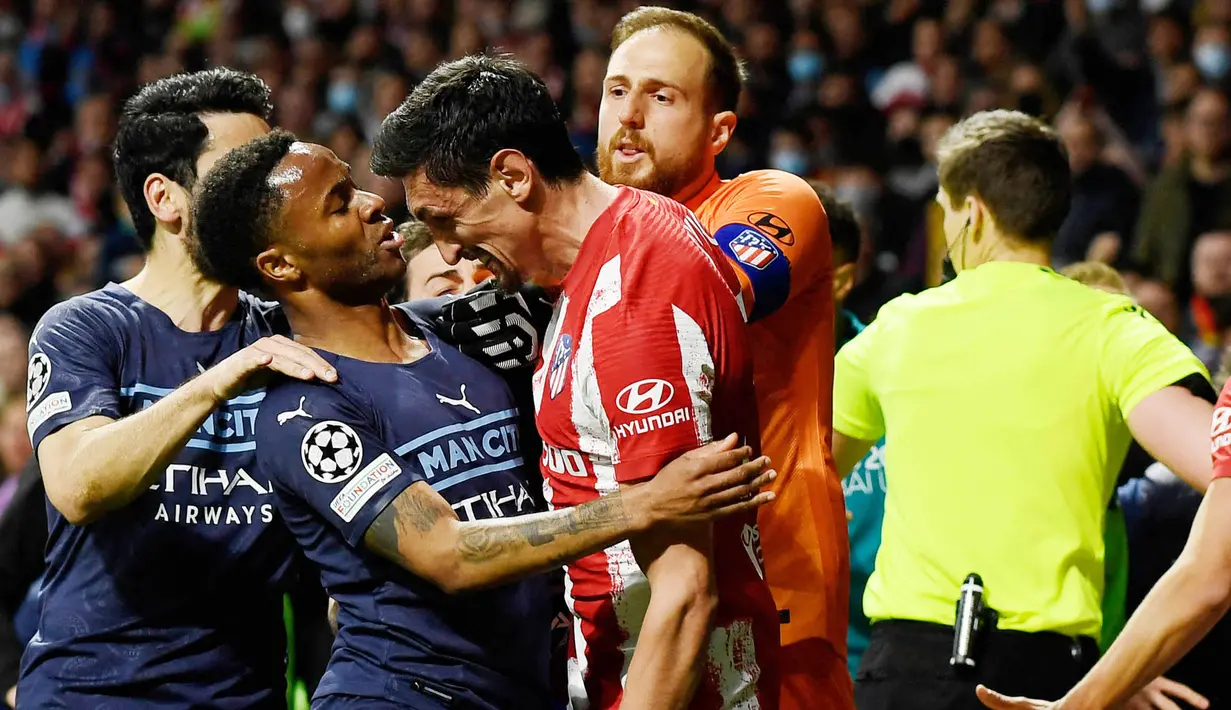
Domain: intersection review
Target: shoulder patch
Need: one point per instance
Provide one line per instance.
(331, 451)
(38, 374)
(765, 265)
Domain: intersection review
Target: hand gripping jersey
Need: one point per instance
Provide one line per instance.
(647, 359)
(338, 455)
(172, 601)
(773, 231)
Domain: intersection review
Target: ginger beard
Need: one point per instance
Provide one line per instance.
(629, 158)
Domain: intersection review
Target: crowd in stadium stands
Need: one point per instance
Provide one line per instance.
(853, 93)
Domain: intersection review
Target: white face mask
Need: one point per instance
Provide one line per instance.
(297, 22)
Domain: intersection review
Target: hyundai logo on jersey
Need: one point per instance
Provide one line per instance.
(645, 396)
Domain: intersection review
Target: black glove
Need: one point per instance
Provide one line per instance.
(502, 330)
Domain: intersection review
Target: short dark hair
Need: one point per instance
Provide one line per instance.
(466, 111)
(415, 238)
(844, 229)
(725, 74)
(1015, 164)
(236, 211)
(160, 131)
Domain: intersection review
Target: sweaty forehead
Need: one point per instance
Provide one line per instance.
(307, 171)
(661, 54)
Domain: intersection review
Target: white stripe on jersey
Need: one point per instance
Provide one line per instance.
(593, 428)
(731, 660)
(579, 663)
(696, 359)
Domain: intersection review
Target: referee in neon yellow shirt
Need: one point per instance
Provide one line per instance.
(1010, 396)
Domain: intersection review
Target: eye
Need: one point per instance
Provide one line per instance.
(662, 98)
(617, 91)
(344, 208)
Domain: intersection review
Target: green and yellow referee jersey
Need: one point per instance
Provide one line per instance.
(1006, 393)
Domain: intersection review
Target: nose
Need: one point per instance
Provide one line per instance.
(450, 252)
(371, 206)
(630, 114)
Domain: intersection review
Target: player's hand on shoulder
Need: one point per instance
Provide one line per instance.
(503, 330)
(715, 480)
(275, 353)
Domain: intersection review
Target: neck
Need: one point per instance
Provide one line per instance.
(368, 332)
(171, 283)
(566, 218)
(699, 190)
(1018, 250)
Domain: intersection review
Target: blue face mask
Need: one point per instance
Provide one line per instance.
(1213, 59)
(1100, 7)
(791, 161)
(343, 97)
(805, 66)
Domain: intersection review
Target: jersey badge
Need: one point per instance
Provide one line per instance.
(331, 452)
(754, 249)
(557, 373)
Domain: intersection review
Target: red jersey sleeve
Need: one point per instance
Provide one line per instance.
(1220, 434)
(669, 356)
(773, 229)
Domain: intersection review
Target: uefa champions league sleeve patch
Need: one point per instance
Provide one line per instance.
(331, 451)
(38, 374)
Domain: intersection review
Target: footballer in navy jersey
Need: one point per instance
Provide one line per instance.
(338, 455)
(176, 595)
(406, 481)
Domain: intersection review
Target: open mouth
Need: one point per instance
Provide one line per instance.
(628, 151)
(391, 239)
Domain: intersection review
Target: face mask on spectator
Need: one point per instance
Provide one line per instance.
(791, 161)
(805, 66)
(1099, 7)
(343, 97)
(297, 22)
(1213, 59)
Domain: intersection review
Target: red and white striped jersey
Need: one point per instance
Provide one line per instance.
(647, 359)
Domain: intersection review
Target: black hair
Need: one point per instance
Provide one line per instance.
(161, 131)
(844, 229)
(236, 212)
(466, 111)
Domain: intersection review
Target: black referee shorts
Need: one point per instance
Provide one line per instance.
(906, 667)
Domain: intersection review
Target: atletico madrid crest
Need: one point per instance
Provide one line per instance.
(754, 249)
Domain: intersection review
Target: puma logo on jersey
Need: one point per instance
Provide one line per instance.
(459, 402)
(285, 417)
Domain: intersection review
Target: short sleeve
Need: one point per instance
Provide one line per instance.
(319, 447)
(856, 408)
(1140, 356)
(774, 232)
(73, 371)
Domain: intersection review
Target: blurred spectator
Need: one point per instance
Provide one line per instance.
(1159, 300)
(1190, 197)
(1100, 222)
(13, 338)
(1210, 308)
(25, 205)
(14, 446)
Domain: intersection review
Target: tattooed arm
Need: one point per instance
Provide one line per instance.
(420, 532)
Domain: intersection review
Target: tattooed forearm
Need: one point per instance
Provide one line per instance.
(484, 541)
(414, 509)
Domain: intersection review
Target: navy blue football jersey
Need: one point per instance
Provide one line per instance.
(338, 455)
(174, 600)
